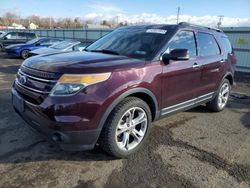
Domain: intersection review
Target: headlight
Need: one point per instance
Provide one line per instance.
(70, 84)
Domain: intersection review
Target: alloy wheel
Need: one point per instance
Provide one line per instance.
(223, 95)
(131, 128)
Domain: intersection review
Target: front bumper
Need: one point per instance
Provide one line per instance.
(78, 140)
(12, 52)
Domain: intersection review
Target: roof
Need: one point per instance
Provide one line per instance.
(175, 26)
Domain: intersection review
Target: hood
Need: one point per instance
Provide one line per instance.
(16, 45)
(81, 62)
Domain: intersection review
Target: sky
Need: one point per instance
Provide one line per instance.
(236, 13)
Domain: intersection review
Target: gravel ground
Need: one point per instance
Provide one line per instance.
(196, 148)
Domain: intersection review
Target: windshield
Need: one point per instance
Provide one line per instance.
(62, 45)
(134, 43)
(33, 41)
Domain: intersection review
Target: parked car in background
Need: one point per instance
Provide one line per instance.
(15, 37)
(1, 33)
(64, 46)
(110, 93)
(22, 50)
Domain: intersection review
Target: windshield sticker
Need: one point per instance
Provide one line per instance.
(159, 31)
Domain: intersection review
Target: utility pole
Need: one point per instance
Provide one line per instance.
(178, 14)
(220, 20)
(50, 22)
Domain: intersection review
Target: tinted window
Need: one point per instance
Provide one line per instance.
(45, 42)
(32, 41)
(11, 36)
(183, 39)
(207, 45)
(21, 36)
(226, 45)
(30, 35)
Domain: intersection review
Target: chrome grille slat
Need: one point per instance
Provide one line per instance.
(40, 74)
(35, 78)
(29, 88)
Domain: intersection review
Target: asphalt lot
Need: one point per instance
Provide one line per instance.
(196, 148)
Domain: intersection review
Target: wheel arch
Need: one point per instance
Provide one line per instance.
(141, 93)
(21, 50)
(229, 77)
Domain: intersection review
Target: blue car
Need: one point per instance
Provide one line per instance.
(22, 50)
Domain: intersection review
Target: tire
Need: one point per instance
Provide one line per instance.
(119, 143)
(25, 54)
(220, 101)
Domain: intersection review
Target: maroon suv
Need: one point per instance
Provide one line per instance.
(110, 93)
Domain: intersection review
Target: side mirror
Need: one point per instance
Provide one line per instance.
(177, 55)
(5, 38)
(38, 44)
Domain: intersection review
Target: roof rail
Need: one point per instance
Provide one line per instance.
(212, 28)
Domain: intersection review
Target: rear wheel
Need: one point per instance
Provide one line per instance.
(221, 99)
(126, 128)
(25, 54)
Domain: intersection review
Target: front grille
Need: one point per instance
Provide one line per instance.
(35, 85)
(40, 74)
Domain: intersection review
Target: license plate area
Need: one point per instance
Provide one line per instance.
(18, 102)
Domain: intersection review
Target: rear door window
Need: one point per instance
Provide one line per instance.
(30, 35)
(207, 45)
(183, 39)
(22, 36)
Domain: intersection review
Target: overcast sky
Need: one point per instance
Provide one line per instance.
(235, 12)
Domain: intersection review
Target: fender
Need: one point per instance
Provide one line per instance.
(124, 95)
(229, 74)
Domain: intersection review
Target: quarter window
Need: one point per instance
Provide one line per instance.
(183, 40)
(207, 45)
(227, 45)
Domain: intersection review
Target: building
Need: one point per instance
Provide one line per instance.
(240, 39)
(33, 26)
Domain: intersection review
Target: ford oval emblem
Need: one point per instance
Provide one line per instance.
(22, 79)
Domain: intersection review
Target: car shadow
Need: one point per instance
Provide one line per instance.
(11, 69)
(34, 147)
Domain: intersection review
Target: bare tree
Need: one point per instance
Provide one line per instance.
(10, 18)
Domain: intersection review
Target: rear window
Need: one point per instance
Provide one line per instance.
(30, 35)
(207, 45)
(226, 45)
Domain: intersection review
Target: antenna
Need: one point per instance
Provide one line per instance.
(178, 14)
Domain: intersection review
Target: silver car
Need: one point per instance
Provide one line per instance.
(64, 46)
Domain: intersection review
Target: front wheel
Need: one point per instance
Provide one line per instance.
(25, 54)
(221, 99)
(126, 128)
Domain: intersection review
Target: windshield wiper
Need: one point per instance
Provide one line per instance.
(106, 51)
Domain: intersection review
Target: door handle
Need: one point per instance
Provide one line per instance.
(196, 65)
